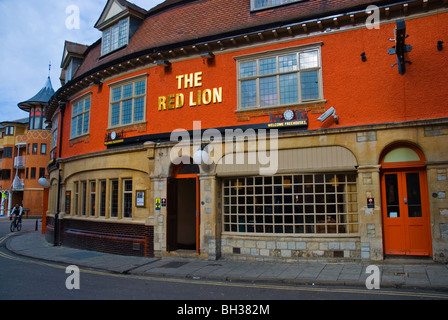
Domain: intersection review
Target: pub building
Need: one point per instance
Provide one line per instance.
(256, 130)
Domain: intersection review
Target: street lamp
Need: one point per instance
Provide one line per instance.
(43, 182)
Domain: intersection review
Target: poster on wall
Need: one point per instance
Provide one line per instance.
(140, 199)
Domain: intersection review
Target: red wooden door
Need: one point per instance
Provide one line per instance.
(406, 213)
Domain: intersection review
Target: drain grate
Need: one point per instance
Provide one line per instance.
(174, 264)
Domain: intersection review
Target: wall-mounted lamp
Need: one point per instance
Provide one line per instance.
(201, 156)
(44, 182)
(363, 57)
(440, 45)
(162, 63)
(207, 55)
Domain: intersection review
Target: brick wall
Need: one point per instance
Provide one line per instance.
(115, 238)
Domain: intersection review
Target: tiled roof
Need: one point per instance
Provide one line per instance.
(183, 21)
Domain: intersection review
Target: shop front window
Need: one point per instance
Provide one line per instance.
(304, 204)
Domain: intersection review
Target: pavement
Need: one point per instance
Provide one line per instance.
(401, 273)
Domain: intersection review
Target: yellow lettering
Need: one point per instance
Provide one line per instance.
(192, 102)
(199, 97)
(162, 103)
(217, 95)
(180, 99)
(189, 79)
(171, 101)
(207, 96)
(179, 81)
(198, 79)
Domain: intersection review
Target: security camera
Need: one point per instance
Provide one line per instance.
(329, 113)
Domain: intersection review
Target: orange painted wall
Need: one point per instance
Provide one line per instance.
(362, 92)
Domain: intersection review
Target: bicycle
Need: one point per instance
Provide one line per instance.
(16, 223)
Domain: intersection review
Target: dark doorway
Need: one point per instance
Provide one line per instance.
(182, 209)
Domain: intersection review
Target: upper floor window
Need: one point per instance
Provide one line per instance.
(128, 103)
(7, 152)
(9, 131)
(263, 4)
(115, 37)
(280, 79)
(37, 118)
(54, 132)
(80, 117)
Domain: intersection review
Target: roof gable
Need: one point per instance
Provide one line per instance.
(72, 49)
(116, 10)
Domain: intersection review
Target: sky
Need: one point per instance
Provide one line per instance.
(32, 35)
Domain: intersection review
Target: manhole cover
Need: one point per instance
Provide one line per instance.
(174, 264)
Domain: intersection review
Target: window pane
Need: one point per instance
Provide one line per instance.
(74, 127)
(414, 198)
(248, 69)
(289, 89)
(114, 37)
(123, 36)
(115, 117)
(92, 197)
(84, 198)
(248, 93)
(86, 123)
(126, 116)
(140, 88)
(287, 63)
(128, 185)
(310, 85)
(127, 91)
(87, 104)
(261, 3)
(268, 66)
(75, 109)
(103, 199)
(106, 41)
(116, 94)
(392, 197)
(114, 199)
(79, 127)
(308, 60)
(138, 109)
(127, 199)
(268, 91)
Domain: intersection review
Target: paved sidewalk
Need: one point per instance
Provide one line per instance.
(410, 274)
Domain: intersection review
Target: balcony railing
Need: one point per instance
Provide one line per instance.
(18, 184)
(19, 162)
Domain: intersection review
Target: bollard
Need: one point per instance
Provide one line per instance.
(36, 227)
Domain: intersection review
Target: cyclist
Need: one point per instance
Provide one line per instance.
(17, 211)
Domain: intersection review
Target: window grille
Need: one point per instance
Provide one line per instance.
(301, 204)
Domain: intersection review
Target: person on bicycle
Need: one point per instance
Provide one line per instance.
(17, 210)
